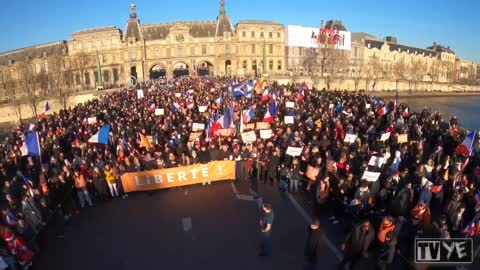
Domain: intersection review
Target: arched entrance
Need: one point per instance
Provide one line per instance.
(180, 69)
(228, 67)
(158, 71)
(205, 68)
(133, 71)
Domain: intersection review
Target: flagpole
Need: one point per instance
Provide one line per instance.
(39, 149)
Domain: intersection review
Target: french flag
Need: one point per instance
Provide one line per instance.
(101, 136)
(383, 110)
(265, 95)
(45, 110)
(176, 106)
(301, 92)
(31, 145)
(466, 147)
(248, 115)
(271, 113)
(470, 230)
(153, 107)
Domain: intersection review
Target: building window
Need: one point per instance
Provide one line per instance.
(104, 58)
(115, 75)
(279, 65)
(270, 65)
(278, 35)
(270, 35)
(156, 52)
(261, 34)
(244, 34)
(270, 48)
(133, 55)
(180, 51)
(204, 49)
(227, 48)
(114, 58)
(355, 51)
(244, 64)
(253, 48)
(253, 34)
(254, 65)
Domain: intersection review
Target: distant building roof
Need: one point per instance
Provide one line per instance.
(403, 48)
(197, 29)
(32, 52)
(258, 22)
(439, 48)
(361, 37)
(96, 30)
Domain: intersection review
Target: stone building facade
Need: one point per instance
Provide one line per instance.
(216, 47)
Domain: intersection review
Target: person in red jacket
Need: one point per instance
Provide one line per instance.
(17, 247)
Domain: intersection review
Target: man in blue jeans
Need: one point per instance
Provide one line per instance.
(266, 227)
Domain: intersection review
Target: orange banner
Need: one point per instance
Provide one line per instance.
(179, 176)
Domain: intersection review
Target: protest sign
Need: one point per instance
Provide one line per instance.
(312, 173)
(92, 120)
(287, 93)
(385, 136)
(159, 112)
(368, 106)
(194, 136)
(202, 108)
(262, 125)
(290, 104)
(350, 138)
(402, 138)
(178, 176)
(370, 176)
(250, 126)
(178, 94)
(249, 136)
(265, 133)
(198, 126)
(376, 161)
(140, 93)
(294, 151)
(289, 119)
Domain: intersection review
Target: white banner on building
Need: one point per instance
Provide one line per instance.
(307, 37)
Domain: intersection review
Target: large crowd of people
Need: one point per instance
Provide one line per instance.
(425, 187)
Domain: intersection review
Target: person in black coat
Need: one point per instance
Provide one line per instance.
(272, 169)
(357, 244)
(312, 245)
(203, 155)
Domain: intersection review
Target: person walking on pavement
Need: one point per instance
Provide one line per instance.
(266, 228)
(311, 247)
(357, 244)
(386, 251)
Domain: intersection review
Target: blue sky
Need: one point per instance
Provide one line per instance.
(418, 23)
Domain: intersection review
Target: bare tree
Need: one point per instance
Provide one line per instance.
(358, 73)
(373, 71)
(399, 72)
(61, 80)
(82, 62)
(26, 84)
(417, 72)
(9, 88)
